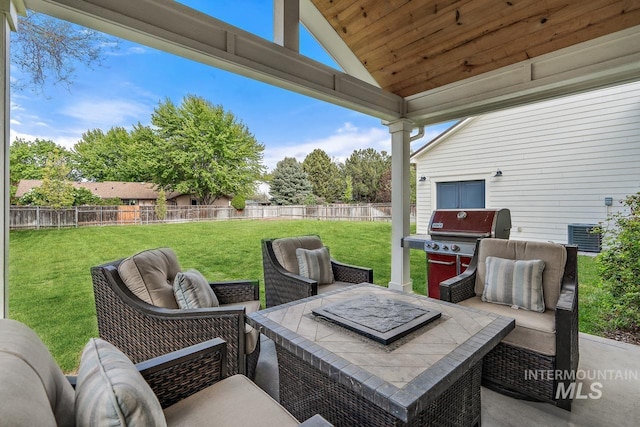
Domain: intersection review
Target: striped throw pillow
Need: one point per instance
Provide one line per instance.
(517, 283)
(498, 281)
(110, 391)
(315, 264)
(527, 285)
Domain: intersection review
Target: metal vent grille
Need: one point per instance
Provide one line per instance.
(582, 235)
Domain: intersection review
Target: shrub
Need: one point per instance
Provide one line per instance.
(619, 264)
(239, 202)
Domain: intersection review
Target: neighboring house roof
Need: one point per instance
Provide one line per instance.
(105, 190)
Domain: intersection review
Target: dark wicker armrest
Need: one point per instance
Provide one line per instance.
(351, 273)
(179, 374)
(316, 421)
(459, 288)
(236, 291)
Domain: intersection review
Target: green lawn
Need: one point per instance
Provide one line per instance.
(50, 283)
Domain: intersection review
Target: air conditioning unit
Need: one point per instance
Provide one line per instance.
(583, 236)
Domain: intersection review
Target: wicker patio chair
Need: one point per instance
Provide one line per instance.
(282, 280)
(186, 387)
(542, 342)
(143, 331)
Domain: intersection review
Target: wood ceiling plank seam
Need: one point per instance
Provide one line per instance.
(443, 40)
(332, 8)
(631, 17)
(440, 45)
(349, 15)
(416, 79)
(566, 35)
(365, 28)
(395, 26)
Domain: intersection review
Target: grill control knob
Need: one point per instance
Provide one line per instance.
(445, 248)
(455, 248)
(435, 246)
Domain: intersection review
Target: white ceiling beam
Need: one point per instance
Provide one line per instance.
(324, 33)
(286, 24)
(605, 61)
(175, 28)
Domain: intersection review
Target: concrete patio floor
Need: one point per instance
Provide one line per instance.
(617, 405)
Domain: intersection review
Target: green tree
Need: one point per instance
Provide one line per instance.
(619, 264)
(366, 167)
(56, 189)
(239, 202)
(324, 175)
(83, 197)
(161, 205)
(27, 159)
(49, 49)
(383, 193)
(203, 150)
(290, 184)
(114, 156)
(347, 196)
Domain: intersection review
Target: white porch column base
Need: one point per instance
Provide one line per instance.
(400, 203)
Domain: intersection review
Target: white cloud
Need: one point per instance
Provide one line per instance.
(14, 122)
(339, 145)
(106, 113)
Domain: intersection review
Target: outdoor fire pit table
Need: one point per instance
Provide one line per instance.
(376, 357)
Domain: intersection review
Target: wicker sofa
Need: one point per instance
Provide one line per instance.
(187, 387)
(148, 324)
(541, 342)
(283, 281)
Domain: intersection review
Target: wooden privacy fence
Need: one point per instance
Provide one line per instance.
(36, 217)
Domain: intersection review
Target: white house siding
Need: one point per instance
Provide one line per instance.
(559, 160)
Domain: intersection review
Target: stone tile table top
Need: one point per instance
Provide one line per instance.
(402, 376)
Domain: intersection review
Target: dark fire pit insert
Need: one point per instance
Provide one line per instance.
(383, 320)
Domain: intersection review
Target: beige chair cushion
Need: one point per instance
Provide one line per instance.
(111, 392)
(150, 275)
(554, 256)
(534, 331)
(34, 390)
(251, 335)
(249, 306)
(285, 250)
(192, 290)
(234, 401)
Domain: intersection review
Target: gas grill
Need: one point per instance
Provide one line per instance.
(452, 239)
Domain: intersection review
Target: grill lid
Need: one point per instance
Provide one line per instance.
(470, 223)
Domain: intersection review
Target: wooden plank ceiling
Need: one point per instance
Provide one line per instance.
(410, 46)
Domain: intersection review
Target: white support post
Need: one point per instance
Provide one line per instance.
(286, 24)
(400, 203)
(9, 10)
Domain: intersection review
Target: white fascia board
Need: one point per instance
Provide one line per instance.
(440, 139)
(324, 33)
(598, 63)
(178, 29)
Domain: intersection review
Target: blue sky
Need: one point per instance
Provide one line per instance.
(135, 78)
